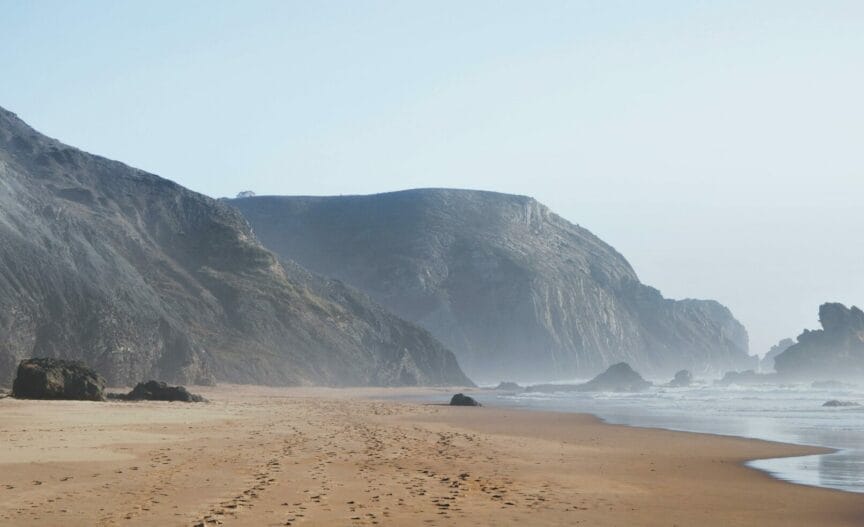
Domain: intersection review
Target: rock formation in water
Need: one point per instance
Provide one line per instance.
(515, 290)
(142, 278)
(834, 352)
(767, 363)
(617, 378)
(45, 378)
(834, 403)
(682, 379)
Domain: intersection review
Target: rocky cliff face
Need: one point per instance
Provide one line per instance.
(834, 352)
(142, 278)
(767, 362)
(515, 290)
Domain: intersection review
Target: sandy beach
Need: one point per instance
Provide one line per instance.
(260, 456)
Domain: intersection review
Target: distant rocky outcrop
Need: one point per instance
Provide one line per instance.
(463, 400)
(142, 278)
(834, 403)
(617, 378)
(514, 289)
(766, 365)
(834, 352)
(46, 378)
(509, 387)
(682, 379)
(159, 391)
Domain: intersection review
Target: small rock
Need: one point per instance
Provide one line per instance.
(833, 403)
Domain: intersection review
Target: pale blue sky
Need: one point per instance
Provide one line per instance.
(717, 145)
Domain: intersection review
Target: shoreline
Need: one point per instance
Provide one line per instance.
(810, 450)
(318, 456)
(815, 450)
(781, 474)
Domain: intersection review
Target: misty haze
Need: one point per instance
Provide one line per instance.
(487, 263)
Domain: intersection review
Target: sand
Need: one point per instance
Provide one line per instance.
(258, 456)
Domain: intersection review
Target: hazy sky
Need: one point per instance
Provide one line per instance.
(718, 145)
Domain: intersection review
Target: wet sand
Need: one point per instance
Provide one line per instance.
(258, 456)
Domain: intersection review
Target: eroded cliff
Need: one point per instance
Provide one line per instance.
(515, 290)
(142, 278)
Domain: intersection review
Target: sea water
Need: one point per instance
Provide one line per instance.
(785, 413)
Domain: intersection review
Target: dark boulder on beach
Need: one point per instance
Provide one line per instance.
(463, 400)
(617, 378)
(682, 379)
(57, 379)
(834, 403)
(160, 391)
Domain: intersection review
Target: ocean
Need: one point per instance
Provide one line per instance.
(790, 413)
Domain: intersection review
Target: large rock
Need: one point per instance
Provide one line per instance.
(463, 400)
(160, 391)
(57, 379)
(682, 379)
(617, 378)
(142, 278)
(834, 352)
(514, 289)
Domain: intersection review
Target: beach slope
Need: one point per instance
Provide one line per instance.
(260, 456)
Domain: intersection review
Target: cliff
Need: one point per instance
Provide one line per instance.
(142, 278)
(767, 362)
(515, 290)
